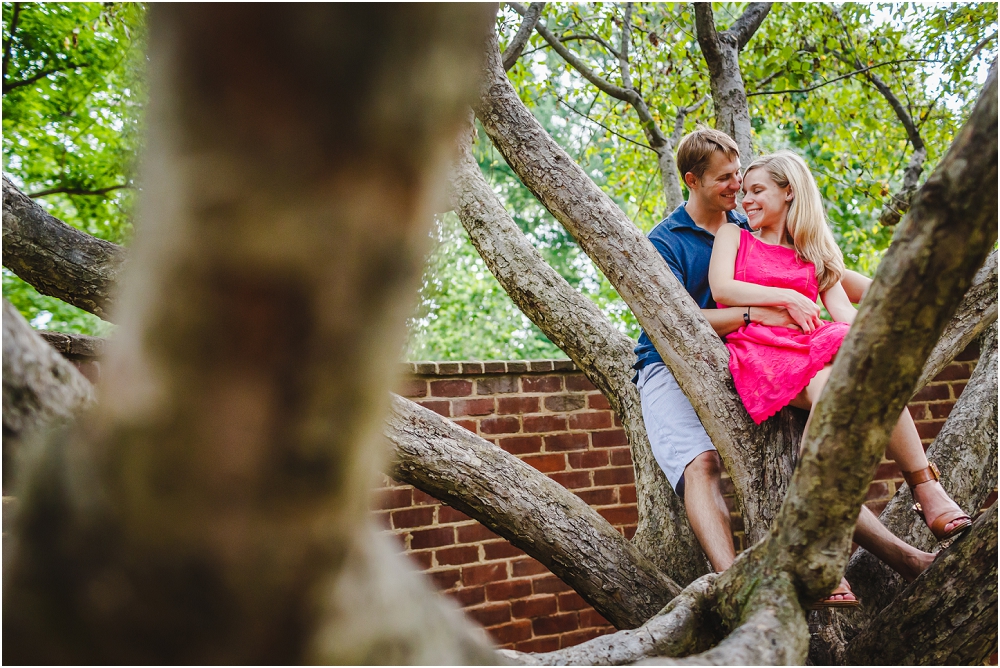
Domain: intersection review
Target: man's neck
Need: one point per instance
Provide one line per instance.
(707, 219)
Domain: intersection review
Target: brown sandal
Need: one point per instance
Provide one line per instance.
(914, 478)
(830, 602)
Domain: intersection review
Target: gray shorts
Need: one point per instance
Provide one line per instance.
(675, 432)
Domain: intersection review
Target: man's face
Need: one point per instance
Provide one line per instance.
(718, 186)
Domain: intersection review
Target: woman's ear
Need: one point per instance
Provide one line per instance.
(789, 195)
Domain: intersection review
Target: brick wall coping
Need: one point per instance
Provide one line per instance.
(473, 368)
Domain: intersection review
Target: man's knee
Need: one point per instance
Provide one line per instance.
(705, 468)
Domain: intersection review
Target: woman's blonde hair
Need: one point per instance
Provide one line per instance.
(806, 222)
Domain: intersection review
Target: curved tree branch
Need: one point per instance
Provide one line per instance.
(77, 191)
(744, 28)
(516, 46)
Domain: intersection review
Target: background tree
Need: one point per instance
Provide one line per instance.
(751, 614)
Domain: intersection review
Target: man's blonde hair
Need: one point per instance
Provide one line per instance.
(694, 152)
(805, 225)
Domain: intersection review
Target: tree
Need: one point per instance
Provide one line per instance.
(221, 472)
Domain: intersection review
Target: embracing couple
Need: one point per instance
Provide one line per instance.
(756, 279)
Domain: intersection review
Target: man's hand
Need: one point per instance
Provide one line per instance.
(772, 316)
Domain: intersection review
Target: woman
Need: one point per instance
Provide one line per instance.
(790, 259)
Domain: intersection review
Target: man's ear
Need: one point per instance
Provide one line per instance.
(691, 180)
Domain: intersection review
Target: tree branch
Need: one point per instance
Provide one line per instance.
(835, 79)
(9, 42)
(513, 50)
(708, 38)
(69, 190)
(623, 52)
(749, 21)
(7, 87)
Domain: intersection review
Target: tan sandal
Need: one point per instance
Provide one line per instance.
(914, 478)
(830, 602)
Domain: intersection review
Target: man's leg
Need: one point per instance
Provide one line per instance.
(905, 559)
(707, 511)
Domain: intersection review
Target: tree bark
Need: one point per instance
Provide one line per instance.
(721, 51)
(516, 46)
(56, 259)
(534, 513)
(939, 619)
(685, 340)
(40, 388)
(577, 326)
(205, 509)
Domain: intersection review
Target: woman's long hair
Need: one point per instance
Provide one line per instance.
(805, 225)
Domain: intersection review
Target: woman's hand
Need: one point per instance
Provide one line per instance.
(804, 312)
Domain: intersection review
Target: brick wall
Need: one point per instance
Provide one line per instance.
(547, 414)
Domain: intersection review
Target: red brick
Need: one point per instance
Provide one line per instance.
(590, 420)
(413, 517)
(609, 439)
(549, 584)
(888, 471)
(953, 372)
(877, 490)
(599, 497)
(941, 411)
(514, 632)
(564, 403)
(432, 538)
(572, 479)
(618, 421)
(500, 425)
(519, 405)
(423, 559)
(577, 637)
(957, 389)
(629, 533)
(598, 401)
(538, 645)
(558, 623)
(413, 387)
(590, 618)
(447, 514)
(509, 590)
(591, 459)
(933, 393)
(617, 476)
(542, 423)
(626, 493)
(918, 411)
(519, 445)
(469, 595)
(456, 556)
(475, 575)
(620, 515)
(451, 388)
(446, 579)
(394, 497)
(534, 606)
(470, 425)
(877, 506)
(541, 384)
(546, 463)
(971, 353)
(621, 457)
(490, 614)
(571, 601)
(423, 498)
(501, 549)
(579, 383)
(473, 533)
(929, 429)
(472, 407)
(442, 408)
(528, 566)
(497, 385)
(564, 442)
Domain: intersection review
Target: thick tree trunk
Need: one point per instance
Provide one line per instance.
(536, 514)
(56, 259)
(207, 510)
(39, 388)
(577, 326)
(939, 619)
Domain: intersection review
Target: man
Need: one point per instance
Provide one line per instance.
(710, 164)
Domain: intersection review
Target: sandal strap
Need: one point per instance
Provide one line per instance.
(942, 520)
(914, 478)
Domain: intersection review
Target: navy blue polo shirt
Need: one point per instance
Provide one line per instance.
(687, 250)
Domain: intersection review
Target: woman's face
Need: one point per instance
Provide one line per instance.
(765, 202)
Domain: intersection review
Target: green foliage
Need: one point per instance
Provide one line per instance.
(73, 94)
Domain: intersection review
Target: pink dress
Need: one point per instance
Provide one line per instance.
(771, 365)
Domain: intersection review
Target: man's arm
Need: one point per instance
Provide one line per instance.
(727, 320)
(855, 285)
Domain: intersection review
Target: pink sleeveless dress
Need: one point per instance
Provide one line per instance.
(771, 365)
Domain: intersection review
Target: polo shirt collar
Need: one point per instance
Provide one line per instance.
(681, 219)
